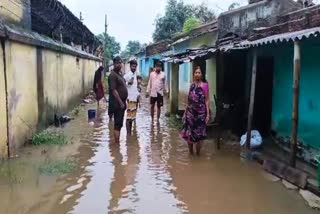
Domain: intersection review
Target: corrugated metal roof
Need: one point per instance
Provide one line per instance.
(167, 53)
(189, 55)
(285, 37)
(231, 46)
(33, 38)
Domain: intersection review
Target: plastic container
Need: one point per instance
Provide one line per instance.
(91, 114)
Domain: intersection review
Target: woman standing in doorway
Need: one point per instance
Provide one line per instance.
(197, 114)
(98, 85)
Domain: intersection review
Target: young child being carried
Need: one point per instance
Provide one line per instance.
(139, 78)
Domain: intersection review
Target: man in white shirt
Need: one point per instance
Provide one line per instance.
(131, 79)
(156, 89)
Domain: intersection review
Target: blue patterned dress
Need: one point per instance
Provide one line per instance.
(194, 121)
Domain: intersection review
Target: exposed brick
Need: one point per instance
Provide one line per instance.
(157, 48)
(296, 21)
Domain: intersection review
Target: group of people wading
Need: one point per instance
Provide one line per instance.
(125, 97)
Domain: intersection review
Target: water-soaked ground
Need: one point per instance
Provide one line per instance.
(150, 172)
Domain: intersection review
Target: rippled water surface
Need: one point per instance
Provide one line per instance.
(150, 172)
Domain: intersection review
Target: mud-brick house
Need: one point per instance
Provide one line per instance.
(148, 57)
(226, 69)
(191, 49)
(46, 66)
(294, 38)
(233, 63)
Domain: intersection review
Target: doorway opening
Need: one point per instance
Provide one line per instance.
(263, 96)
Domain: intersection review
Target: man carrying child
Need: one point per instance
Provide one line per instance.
(133, 84)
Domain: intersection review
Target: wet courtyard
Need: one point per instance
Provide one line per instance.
(150, 172)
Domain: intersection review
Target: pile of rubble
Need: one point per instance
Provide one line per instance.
(305, 152)
(90, 98)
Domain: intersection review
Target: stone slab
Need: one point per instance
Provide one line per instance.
(312, 200)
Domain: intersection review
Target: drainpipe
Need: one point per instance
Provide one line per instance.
(6, 92)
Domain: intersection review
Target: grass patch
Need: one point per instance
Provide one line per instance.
(59, 167)
(76, 111)
(49, 138)
(174, 122)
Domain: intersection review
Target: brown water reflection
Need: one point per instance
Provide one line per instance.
(149, 172)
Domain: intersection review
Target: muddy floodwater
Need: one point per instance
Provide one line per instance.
(150, 172)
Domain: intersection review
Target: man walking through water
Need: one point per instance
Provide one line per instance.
(131, 78)
(118, 97)
(156, 89)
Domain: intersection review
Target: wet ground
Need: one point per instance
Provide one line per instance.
(150, 172)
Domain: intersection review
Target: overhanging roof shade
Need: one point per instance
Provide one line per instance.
(189, 55)
(231, 46)
(192, 54)
(285, 37)
(51, 17)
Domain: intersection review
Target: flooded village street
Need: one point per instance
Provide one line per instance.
(150, 172)
(244, 73)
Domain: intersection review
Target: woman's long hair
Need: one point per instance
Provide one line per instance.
(202, 73)
(97, 77)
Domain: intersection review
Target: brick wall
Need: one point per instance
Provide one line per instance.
(296, 21)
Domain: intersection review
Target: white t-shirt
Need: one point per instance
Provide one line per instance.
(133, 92)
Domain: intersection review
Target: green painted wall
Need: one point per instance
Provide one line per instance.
(208, 39)
(185, 73)
(212, 80)
(186, 69)
(211, 70)
(309, 112)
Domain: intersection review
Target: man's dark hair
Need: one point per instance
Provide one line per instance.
(101, 68)
(117, 59)
(97, 76)
(133, 62)
(158, 64)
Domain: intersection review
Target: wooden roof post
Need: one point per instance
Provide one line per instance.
(295, 107)
(252, 98)
(174, 88)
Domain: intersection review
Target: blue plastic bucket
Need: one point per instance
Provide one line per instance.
(91, 114)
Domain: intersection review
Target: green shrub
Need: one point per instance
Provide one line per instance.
(76, 111)
(190, 24)
(49, 137)
(57, 167)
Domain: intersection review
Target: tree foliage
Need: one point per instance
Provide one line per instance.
(132, 48)
(110, 46)
(190, 24)
(234, 5)
(203, 13)
(176, 14)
